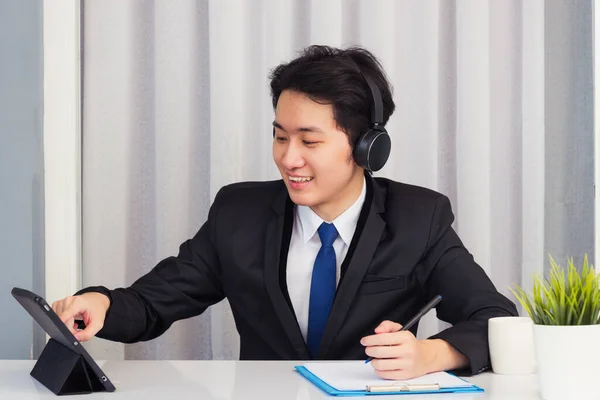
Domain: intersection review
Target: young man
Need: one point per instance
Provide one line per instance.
(328, 262)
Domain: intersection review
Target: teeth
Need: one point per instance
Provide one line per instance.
(300, 179)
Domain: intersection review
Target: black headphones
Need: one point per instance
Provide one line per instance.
(372, 149)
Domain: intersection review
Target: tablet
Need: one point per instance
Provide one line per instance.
(43, 314)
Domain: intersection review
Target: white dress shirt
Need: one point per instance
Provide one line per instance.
(304, 246)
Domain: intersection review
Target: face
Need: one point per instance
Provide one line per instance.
(314, 157)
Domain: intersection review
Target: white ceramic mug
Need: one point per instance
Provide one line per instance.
(511, 345)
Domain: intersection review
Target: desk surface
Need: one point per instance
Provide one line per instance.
(223, 380)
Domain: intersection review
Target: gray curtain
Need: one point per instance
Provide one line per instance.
(494, 109)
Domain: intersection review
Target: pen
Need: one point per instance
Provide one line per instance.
(432, 303)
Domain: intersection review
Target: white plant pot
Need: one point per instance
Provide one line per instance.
(567, 359)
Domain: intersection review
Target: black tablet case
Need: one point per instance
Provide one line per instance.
(64, 372)
(59, 368)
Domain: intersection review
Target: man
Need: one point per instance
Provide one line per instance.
(328, 262)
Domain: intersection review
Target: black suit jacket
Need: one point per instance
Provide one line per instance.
(403, 253)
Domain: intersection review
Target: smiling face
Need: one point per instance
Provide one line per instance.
(314, 157)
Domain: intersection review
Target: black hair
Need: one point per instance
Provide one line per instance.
(329, 75)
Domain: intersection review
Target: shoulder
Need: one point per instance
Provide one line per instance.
(250, 194)
(406, 193)
(405, 202)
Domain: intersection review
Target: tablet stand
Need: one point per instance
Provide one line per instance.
(63, 371)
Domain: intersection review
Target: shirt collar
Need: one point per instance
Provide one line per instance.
(345, 223)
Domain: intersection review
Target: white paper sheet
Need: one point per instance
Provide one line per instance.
(356, 375)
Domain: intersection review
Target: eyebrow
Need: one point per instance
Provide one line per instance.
(301, 129)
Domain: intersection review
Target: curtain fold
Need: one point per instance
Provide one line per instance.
(176, 104)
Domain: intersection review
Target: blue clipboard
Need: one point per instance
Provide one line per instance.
(330, 390)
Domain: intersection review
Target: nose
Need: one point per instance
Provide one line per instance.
(292, 157)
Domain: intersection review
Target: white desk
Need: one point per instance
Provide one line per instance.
(223, 380)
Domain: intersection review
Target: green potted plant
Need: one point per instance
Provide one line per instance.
(565, 309)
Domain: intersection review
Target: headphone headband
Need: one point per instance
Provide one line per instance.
(377, 110)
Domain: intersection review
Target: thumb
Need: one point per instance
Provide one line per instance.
(80, 309)
(89, 332)
(68, 314)
(388, 327)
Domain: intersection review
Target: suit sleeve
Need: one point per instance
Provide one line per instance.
(469, 298)
(177, 288)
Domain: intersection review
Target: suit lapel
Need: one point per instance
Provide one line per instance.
(361, 259)
(272, 251)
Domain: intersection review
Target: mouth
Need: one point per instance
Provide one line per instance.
(300, 179)
(299, 182)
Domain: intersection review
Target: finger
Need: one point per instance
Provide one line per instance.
(58, 306)
(387, 339)
(70, 311)
(70, 323)
(397, 351)
(392, 364)
(387, 327)
(85, 335)
(61, 306)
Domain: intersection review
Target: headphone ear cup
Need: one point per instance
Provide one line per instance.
(372, 149)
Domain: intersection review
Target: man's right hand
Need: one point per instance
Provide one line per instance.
(90, 307)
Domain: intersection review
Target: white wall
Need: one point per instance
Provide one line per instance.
(62, 147)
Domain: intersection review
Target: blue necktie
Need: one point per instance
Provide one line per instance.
(322, 287)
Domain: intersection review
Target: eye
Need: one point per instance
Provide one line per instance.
(280, 139)
(306, 142)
